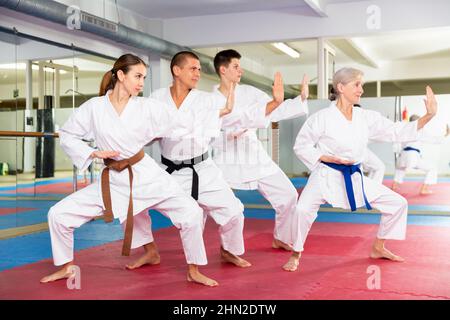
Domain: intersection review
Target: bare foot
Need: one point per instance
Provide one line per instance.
(384, 253)
(231, 258)
(426, 191)
(395, 187)
(277, 244)
(64, 273)
(197, 277)
(292, 264)
(150, 258)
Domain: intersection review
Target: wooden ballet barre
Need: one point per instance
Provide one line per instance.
(43, 135)
(29, 134)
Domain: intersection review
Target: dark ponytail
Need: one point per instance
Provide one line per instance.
(107, 83)
(123, 63)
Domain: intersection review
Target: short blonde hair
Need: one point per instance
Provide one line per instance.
(344, 76)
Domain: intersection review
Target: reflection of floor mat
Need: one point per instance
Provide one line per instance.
(43, 190)
(28, 212)
(7, 211)
(410, 190)
(333, 266)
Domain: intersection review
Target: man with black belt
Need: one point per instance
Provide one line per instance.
(186, 159)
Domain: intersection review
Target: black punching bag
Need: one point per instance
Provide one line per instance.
(45, 147)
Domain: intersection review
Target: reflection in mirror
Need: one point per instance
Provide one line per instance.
(8, 122)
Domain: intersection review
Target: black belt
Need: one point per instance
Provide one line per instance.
(189, 163)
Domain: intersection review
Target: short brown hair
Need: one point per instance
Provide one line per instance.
(223, 58)
(180, 58)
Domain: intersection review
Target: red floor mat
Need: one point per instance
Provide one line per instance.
(334, 266)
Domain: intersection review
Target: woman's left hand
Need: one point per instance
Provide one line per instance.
(430, 102)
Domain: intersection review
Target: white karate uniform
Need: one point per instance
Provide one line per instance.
(245, 162)
(413, 160)
(215, 196)
(328, 132)
(141, 121)
(374, 166)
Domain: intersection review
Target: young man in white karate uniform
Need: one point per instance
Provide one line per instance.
(122, 124)
(187, 160)
(239, 153)
(411, 158)
(332, 144)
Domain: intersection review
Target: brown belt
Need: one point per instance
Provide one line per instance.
(119, 165)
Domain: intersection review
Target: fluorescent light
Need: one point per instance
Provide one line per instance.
(23, 66)
(286, 49)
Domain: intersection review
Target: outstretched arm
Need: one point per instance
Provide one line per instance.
(304, 90)
(431, 106)
(383, 129)
(293, 108)
(277, 94)
(229, 105)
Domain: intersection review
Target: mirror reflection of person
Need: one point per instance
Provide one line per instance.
(411, 157)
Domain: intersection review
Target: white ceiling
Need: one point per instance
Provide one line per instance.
(414, 44)
(405, 45)
(168, 9)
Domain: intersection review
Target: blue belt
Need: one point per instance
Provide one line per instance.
(347, 171)
(411, 149)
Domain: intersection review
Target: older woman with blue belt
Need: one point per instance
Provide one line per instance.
(332, 143)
